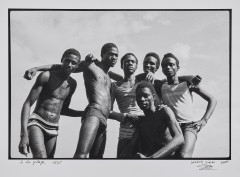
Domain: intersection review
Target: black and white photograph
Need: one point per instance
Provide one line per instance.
(142, 87)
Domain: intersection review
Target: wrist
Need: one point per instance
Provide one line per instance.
(125, 119)
(23, 135)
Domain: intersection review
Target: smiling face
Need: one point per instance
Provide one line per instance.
(129, 64)
(145, 98)
(169, 67)
(69, 63)
(110, 57)
(150, 64)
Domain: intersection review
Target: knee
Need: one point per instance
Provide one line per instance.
(40, 155)
(80, 156)
(184, 155)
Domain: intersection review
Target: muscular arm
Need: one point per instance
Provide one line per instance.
(115, 76)
(65, 108)
(30, 73)
(32, 97)
(177, 137)
(212, 102)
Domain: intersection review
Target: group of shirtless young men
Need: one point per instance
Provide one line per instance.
(156, 116)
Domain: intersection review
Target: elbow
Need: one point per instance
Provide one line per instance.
(213, 102)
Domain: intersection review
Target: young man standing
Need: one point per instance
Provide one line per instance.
(158, 135)
(52, 91)
(178, 96)
(124, 93)
(92, 137)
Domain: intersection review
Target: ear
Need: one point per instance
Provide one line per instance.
(178, 67)
(154, 96)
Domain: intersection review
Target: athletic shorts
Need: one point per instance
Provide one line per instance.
(47, 127)
(189, 127)
(96, 112)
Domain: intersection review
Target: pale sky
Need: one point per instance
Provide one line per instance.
(200, 39)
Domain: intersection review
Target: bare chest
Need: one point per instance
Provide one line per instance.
(97, 76)
(59, 89)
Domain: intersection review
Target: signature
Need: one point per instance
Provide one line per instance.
(208, 164)
(205, 167)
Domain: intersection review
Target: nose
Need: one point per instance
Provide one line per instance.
(70, 64)
(114, 57)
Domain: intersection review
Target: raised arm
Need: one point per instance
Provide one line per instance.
(212, 102)
(115, 76)
(30, 73)
(65, 108)
(32, 97)
(177, 137)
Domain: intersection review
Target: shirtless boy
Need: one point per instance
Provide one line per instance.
(52, 91)
(158, 134)
(178, 96)
(92, 137)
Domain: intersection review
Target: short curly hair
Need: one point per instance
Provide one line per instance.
(171, 56)
(106, 47)
(125, 57)
(152, 54)
(144, 84)
(71, 51)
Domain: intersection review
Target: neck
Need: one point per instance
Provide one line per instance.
(172, 80)
(150, 111)
(129, 77)
(104, 67)
(64, 76)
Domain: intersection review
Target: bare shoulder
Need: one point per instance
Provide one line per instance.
(72, 82)
(43, 77)
(167, 112)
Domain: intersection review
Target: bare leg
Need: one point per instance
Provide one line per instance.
(186, 150)
(99, 144)
(36, 142)
(50, 144)
(87, 136)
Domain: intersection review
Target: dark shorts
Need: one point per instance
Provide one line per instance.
(189, 127)
(96, 112)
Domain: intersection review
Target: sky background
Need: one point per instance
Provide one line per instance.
(200, 39)
(212, 141)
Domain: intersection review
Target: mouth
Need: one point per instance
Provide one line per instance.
(142, 105)
(68, 70)
(148, 70)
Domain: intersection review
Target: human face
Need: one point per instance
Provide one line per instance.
(169, 67)
(69, 63)
(111, 56)
(130, 64)
(145, 98)
(150, 64)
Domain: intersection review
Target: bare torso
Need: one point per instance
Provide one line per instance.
(52, 96)
(98, 85)
(154, 133)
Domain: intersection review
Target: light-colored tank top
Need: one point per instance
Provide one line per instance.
(180, 100)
